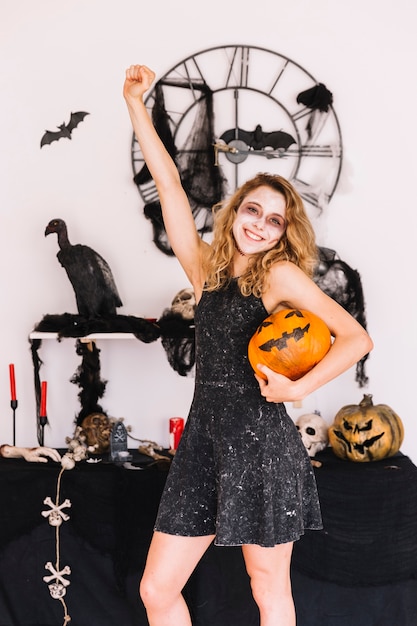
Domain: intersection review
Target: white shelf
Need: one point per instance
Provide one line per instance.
(42, 335)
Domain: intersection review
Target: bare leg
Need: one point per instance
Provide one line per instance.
(171, 561)
(269, 571)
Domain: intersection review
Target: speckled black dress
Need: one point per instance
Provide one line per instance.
(241, 471)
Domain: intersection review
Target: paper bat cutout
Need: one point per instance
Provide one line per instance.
(281, 343)
(65, 130)
(258, 140)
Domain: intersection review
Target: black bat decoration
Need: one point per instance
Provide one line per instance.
(258, 140)
(65, 130)
(281, 343)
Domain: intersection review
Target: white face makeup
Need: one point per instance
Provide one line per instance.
(260, 221)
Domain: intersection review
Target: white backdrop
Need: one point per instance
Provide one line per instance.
(58, 57)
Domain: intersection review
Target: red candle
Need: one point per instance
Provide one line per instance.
(12, 382)
(176, 426)
(43, 399)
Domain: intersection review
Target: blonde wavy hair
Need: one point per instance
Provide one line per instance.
(297, 244)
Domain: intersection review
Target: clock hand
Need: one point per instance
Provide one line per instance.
(237, 151)
(223, 148)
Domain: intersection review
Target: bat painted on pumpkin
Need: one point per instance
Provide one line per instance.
(258, 139)
(359, 447)
(65, 130)
(281, 343)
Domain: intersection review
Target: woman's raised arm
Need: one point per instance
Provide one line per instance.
(178, 219)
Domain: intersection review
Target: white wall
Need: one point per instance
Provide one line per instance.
(58, 57)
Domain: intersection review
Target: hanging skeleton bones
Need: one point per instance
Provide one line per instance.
(58, 588)
(56, 515)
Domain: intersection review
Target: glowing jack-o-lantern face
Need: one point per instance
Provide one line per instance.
(289, 342)
(366, 432)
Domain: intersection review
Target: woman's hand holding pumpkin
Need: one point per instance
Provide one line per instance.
(276, 387)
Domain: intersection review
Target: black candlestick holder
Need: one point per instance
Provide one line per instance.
(42, 423)
(13, 404)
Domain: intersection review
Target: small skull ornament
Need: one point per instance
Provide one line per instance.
(313, 431)
(57, 591)
(184, 303)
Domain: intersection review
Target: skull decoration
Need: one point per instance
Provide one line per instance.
(96, 428)
(184, 303)
(313, 431)
(57, 589)
(55, 514)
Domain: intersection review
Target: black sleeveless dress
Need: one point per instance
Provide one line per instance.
(241, 471)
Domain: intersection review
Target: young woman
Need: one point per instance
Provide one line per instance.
(241, 475)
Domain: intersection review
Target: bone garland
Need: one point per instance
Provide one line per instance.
(57, 584)
(58, 589)
(55, 514)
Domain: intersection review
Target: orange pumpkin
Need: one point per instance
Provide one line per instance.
(366, 432)
(290, 342)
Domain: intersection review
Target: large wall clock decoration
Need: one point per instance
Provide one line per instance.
(228, 112)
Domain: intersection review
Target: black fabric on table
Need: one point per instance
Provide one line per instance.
(106, 539)
(105, 542)
(112, 508)
(370, 523)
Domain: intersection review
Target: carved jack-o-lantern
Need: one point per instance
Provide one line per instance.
(366, 432)
(290, 342)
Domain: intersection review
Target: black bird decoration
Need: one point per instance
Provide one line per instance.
(90, 275)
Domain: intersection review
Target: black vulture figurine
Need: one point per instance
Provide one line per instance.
(90, 275)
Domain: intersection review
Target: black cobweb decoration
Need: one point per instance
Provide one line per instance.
(35, 344)
(318, 99)
(178, 341)
(342, 283)
(160, 120)
(202, 180)
(87, 377)
(175, 332)
(152, 210)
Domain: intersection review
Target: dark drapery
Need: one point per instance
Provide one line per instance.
(360, 570)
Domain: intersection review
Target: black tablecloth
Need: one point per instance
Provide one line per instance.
(370, 523)
(107, 536)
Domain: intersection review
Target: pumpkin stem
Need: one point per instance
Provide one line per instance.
(366, 400)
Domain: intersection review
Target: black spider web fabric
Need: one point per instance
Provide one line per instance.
(202, 180)
(160, 120)
(342, 283)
